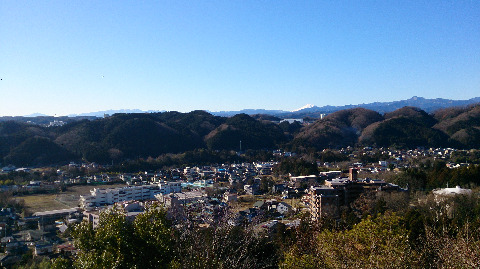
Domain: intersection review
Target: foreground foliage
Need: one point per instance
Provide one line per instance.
(373, 243)
(146, 242)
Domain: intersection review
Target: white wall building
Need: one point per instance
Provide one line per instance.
(100, 197)
(442, 194)
(183, 198)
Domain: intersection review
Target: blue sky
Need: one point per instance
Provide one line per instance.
(64, 57)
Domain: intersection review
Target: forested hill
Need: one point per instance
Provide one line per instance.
(130, 136)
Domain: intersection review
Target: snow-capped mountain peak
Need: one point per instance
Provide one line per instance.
(304, 107)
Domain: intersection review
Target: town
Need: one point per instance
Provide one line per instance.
(256, 194)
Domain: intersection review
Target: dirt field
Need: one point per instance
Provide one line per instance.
(64, 200)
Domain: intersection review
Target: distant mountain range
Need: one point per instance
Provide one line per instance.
(428, 105)
(101, 114)
(309, 110)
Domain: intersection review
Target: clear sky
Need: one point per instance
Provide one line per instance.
(63, 57)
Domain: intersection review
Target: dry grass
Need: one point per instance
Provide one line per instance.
(42, 202)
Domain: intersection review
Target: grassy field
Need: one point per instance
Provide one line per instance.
(63, 200)
(42, 202)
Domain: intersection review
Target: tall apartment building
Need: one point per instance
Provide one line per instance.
(324, 201)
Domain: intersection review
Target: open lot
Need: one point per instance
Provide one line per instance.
(42, 202)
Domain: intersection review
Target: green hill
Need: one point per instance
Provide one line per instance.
(254, 134)
(130, 136)
(338, 129)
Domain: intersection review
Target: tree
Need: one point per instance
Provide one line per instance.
(296, 166)
(380, 242)
(224, 246)
(119, 243)
(61, 263)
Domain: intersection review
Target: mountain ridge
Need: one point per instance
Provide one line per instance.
(428, 105)
(309, 110)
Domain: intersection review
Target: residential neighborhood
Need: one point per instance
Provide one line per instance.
(243, 194)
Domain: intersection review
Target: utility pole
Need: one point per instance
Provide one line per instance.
(240, 145)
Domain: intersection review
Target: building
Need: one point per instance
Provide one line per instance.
(102, 197)
(444, 199)
(229, 197)
(92, 217)
(252, 189)
(43, 249)
(46, 219)
(353, 174)
(324, 201)
(451, 191)
(297, 182)
(443, 194)
(131, 210)
(176, 199)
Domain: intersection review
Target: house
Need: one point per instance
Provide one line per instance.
(43, 249)
(66, 249)
(278, 188)
(383, 163)
(283, 208)
(246, 215)
(9, 168)
(252, 189)
(290, 193)
(229, 197)
(92, 217)
(8, 260)
(258, 204)
(32, 235)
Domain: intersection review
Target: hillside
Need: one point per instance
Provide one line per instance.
(461, 124)
(130, 136)
(252, 133)
(405, 127)
(338, 129)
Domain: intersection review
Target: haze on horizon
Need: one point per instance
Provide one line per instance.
(68, 57)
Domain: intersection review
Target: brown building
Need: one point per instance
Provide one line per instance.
(353, 174)
(324, 202)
